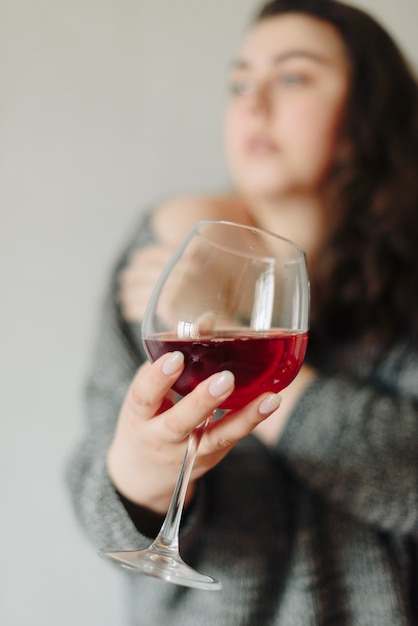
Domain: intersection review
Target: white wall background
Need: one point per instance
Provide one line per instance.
(106, 106)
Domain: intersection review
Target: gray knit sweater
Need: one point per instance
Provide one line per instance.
(321, 530)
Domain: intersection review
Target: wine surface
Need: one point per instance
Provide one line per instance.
(261, 362)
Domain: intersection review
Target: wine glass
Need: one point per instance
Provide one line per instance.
(232, 297)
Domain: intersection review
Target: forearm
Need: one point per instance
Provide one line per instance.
(357, 446)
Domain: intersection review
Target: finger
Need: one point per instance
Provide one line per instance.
(176, 424)
(133, 302)
(155, 255)
(232, 427)
(149, 388)
(135, 289)
(141, 263)
(133, 276)
(130, 280)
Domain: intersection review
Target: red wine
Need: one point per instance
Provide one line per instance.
(261, 362)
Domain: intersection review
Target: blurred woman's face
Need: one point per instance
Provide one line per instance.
(288, 91)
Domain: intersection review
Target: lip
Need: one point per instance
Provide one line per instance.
(261, 145)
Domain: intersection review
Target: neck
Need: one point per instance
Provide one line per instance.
(299, 219)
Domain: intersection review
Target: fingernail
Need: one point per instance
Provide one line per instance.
(173, 363)
(270, 404)
(221, 384)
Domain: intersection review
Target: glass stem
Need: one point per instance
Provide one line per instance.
(167, 539)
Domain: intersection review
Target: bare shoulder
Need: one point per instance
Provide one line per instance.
(173, 219)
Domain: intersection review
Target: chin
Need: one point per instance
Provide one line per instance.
(261, 185)
(262, 193)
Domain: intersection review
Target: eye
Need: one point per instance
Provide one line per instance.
(241, 87)
(292, 79)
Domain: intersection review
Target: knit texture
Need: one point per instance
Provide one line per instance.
(321, 530)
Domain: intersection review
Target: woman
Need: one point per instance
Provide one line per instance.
(313, 519)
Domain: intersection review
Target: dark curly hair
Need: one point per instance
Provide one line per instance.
(365, 284)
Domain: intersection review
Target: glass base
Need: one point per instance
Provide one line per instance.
(166, 566)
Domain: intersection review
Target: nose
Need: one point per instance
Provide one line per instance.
(259, 100)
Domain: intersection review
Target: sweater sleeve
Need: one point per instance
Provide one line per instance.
(116, 359)
(356, 443)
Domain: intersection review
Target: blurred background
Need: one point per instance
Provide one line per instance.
(107, 108)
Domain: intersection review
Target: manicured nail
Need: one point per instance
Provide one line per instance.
(223, 382)
(269, 404)
(173, 363)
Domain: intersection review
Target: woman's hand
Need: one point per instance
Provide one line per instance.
(151, 436)
(171, 222)
(138, 279)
